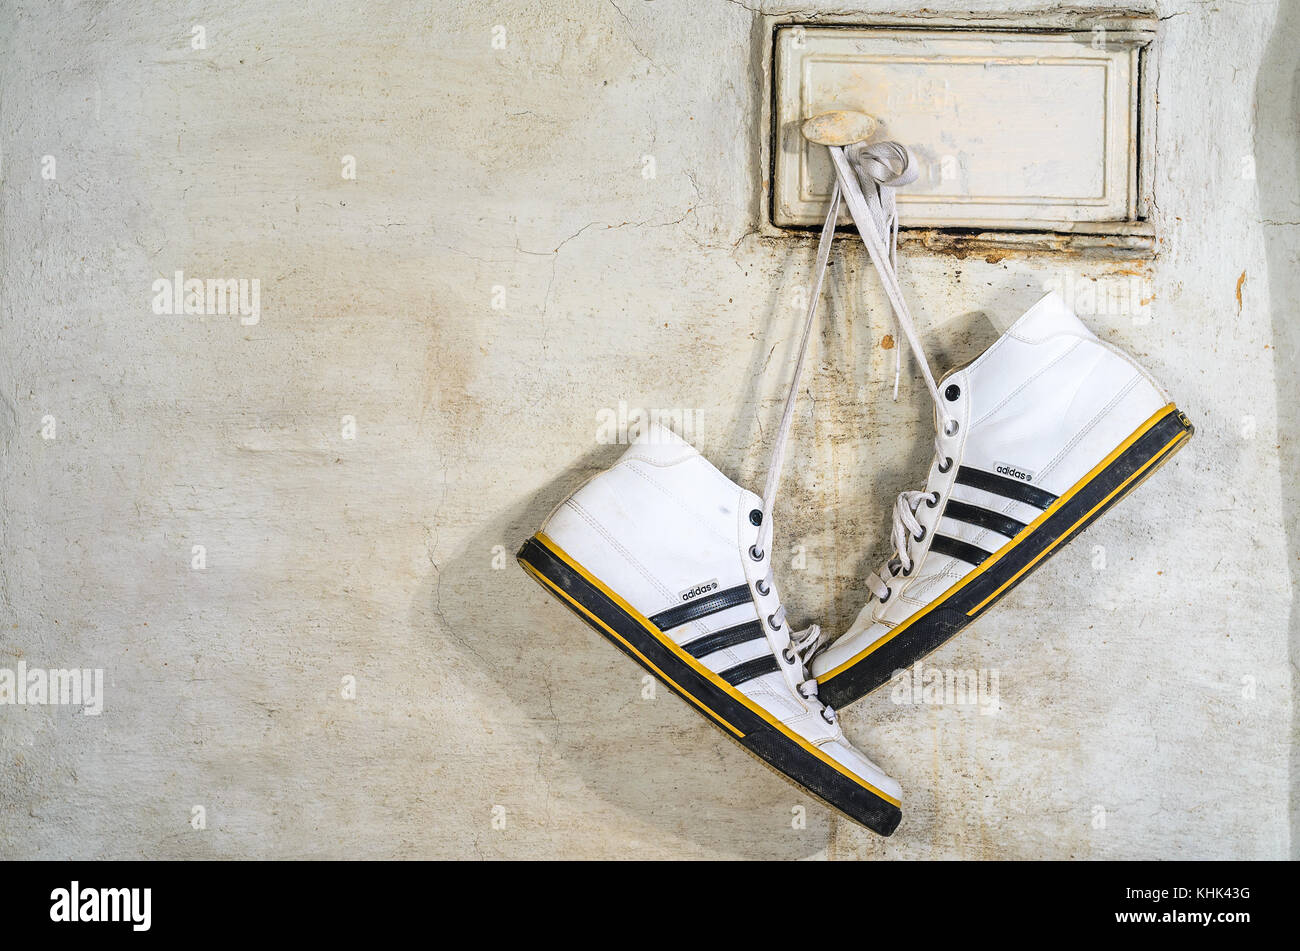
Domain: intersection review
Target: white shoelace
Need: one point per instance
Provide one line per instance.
(803, 644)
(885, 166)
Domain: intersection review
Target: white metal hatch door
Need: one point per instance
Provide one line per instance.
(1014, 129)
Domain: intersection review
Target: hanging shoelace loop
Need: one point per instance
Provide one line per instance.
(868, 175)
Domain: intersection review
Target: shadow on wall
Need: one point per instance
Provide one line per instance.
(657, 761)
(1277, 169)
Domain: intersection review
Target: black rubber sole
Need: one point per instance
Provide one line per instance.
(722, 704)
(1087, 501)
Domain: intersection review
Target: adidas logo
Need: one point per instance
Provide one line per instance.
(692, 593)
(1012, 472)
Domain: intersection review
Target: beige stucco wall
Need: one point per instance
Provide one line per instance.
(1155, 691)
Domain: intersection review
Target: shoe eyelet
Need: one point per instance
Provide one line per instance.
(950, 427)
(762, 588)
(888, 592)
(756, 517)
(933, 500)
(785, 652)
(830, 720)
(921, 537)
(754, 553)
(908, 573)
(772, 624)
(953, 392)
(946, 464)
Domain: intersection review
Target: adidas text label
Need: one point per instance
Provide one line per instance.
(1011, 472)
(690, 594)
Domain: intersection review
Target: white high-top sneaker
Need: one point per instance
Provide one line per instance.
(671, 561)
(663, 555)
(1037, 437)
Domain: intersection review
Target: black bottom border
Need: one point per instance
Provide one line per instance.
(333, 900)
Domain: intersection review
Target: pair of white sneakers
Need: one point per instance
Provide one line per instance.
(672, 561)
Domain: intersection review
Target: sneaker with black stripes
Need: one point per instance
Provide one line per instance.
(1037, 437)
(667, 558)
(672, 562)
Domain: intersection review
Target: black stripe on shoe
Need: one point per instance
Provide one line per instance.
(1007, 488)
(974, 515)
(749, 670)
(730, 637)
(694, 610)
(955, 548)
